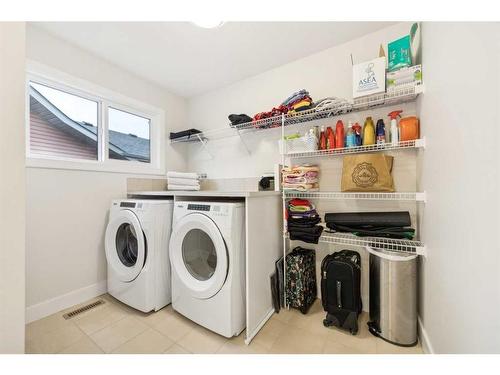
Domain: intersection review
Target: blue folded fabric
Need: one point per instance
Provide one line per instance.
(295, 96)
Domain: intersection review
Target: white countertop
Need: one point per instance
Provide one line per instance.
(202, 193)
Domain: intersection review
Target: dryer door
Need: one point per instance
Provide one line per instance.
(125, 246)
(198, 255)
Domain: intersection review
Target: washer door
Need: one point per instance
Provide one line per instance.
(198, 255)
(125, 246)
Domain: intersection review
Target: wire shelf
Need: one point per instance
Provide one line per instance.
(378, 243)
(398, 196)
(417, 143)
(396, 96)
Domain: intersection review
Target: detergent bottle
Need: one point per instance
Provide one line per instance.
(394, 126)
(357, 133)
(330, 138)
(368, 132)
(339, 135)
(351, 136)
(380, 132)
(322, 139)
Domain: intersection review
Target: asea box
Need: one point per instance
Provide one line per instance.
(368, 77)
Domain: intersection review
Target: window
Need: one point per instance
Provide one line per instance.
(61, 124)
(90, 128)
(128, 136)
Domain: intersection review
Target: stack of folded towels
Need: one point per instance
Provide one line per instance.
(302, 220)
(300, 178)
(183, 181)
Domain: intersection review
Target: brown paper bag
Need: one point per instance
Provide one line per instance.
(367, 172)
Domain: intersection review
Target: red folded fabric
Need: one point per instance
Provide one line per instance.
(299, 202)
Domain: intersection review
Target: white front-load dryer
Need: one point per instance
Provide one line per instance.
(207, 254)
(136, 244)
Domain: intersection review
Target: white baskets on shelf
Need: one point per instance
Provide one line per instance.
(305, 143)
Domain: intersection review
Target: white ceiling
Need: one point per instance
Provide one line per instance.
(188, 60)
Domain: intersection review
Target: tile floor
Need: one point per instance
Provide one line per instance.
(116, 328)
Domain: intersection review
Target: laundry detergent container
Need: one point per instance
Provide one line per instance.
(393, 297)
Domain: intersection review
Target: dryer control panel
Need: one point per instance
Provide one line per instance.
(199, 207)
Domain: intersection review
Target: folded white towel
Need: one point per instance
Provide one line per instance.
(182, 175)
(183, 181)
(183, 187)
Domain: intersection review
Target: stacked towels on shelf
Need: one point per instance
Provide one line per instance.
(183, 181)
(300, 178)
(302, 220)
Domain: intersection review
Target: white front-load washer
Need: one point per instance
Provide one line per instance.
(136, 244)
(207, 254)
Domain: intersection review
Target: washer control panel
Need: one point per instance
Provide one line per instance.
(127, 204)
(199, 207)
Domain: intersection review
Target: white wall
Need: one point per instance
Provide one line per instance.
(67, 210)
(460, 116)
(12, 187)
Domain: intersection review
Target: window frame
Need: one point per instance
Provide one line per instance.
(105, 98)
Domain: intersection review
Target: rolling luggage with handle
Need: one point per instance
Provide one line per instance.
(341, 289)
(301, 288)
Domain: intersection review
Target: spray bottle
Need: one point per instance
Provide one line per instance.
(394, 126)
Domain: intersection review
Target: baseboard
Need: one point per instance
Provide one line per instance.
(424, 338)
(53, 305)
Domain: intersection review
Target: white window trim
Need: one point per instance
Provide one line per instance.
(42, 74)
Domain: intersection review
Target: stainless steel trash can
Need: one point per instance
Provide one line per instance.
(393, 297)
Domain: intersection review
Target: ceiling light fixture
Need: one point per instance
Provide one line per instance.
(208, 24)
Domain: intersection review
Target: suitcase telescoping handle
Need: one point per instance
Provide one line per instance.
(339, 294)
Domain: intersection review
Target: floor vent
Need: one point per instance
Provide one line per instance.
(82, 309)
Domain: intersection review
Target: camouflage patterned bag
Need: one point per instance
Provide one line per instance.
(301, 289)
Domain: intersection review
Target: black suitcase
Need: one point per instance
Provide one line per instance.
(301, 288)
(341, 289)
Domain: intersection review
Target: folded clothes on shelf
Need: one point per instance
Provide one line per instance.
(295, 97)
(185, 133)
(276, 111)
(298, 101)
(239, 119)
(302, 220)
(300, 178)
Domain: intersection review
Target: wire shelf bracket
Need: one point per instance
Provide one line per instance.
(203, 143)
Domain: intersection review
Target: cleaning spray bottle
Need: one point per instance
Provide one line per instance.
(394, 126)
